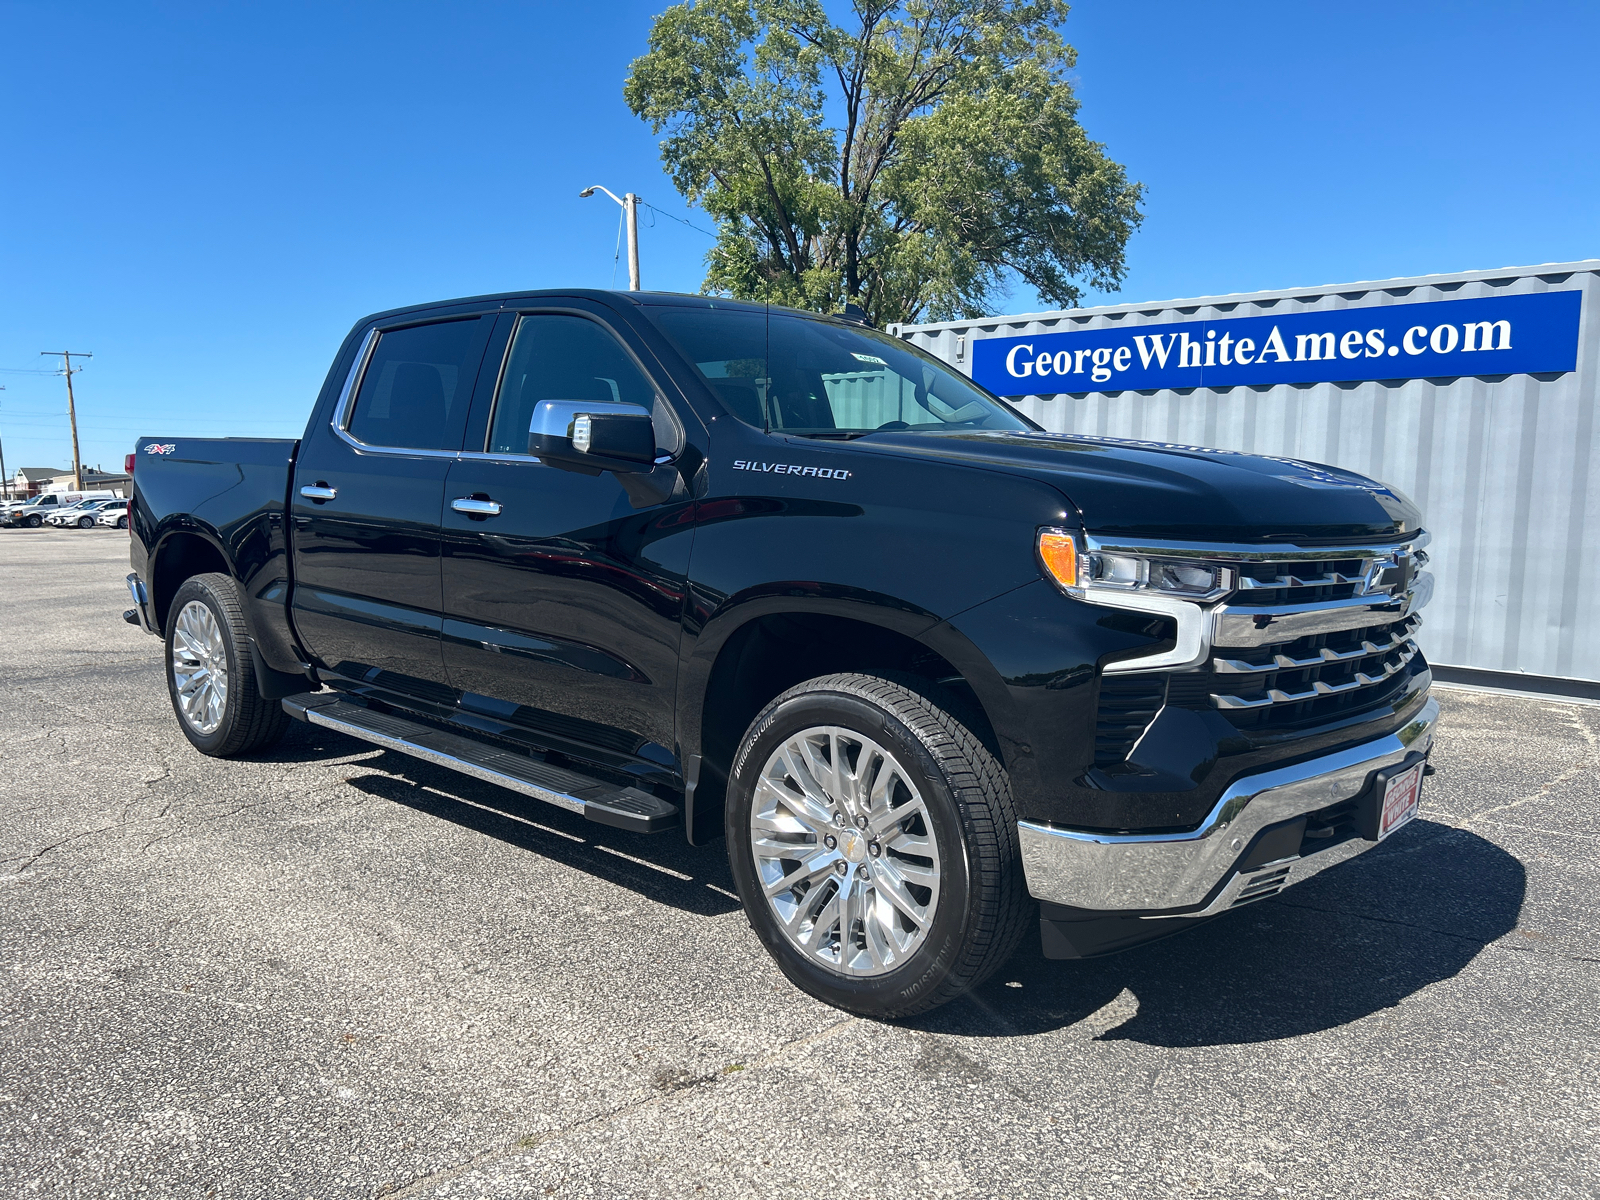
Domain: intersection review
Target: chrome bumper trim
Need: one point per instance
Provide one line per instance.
(141, 602)
(1146, 872)
(1267, 880)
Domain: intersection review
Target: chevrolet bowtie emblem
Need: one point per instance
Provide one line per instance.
(1392, 575)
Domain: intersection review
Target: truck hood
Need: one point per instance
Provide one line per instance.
(1161, 490)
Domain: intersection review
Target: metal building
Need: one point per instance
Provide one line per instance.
(1475, 394)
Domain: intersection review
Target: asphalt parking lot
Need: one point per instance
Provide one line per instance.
(334, 971)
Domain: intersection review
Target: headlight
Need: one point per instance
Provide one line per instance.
(1077, 567)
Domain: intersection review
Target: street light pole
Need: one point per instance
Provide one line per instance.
(630, 206)
(631, 203)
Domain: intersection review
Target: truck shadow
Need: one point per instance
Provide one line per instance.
(1344, 945)
(662, 868)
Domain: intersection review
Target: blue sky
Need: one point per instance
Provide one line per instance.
(209, 196)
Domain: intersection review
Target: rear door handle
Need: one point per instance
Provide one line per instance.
(473, 506)
(319, 491)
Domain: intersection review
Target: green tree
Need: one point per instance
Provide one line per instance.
(908, 164)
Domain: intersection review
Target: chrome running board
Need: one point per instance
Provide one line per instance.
(599, 801)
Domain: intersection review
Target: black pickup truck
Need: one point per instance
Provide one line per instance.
(682, 563)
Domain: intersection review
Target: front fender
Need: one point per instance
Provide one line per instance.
(724, 619)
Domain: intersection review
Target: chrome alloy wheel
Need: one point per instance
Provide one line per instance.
(845, 852)
(199, 668)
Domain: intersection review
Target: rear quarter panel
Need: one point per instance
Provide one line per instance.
(230, 493)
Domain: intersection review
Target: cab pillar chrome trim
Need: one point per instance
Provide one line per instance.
(1154, 872)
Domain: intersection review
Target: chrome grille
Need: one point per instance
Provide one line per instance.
(1302, 635)
(1309, 679)
(1302, 670)
(1398, 634)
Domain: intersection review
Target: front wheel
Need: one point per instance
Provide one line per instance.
(85, 522)
(211, 676)
(874, 845)
(122, 522)
(34, 521)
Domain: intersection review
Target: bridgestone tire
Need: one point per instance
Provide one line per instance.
(250, 721)
(983, 908)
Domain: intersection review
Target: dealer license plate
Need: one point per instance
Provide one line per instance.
(1400, 801)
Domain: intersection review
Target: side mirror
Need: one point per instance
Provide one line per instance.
(591, 436)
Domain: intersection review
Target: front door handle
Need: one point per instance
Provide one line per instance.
(476, 506)
(319, 491)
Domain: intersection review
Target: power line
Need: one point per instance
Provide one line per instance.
(679, 220)
(616, 256)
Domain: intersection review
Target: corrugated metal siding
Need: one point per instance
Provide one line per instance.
(1500, 465)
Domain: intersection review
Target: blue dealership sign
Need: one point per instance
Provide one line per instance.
(1497, 335)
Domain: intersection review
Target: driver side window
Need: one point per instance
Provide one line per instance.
(559, 357)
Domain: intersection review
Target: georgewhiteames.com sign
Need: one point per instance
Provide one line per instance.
(1502, 335)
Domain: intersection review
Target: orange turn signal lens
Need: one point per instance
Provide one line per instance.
(1059, 553)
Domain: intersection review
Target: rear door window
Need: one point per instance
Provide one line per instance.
(417, 385)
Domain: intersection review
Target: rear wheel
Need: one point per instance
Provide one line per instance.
(874, 846)
(210, 673)
(122, 522)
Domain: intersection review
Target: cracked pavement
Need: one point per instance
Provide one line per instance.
(331, 971)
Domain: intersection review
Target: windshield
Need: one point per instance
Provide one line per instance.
(824, 378)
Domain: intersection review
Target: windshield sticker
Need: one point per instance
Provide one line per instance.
(870, 358)
(740, 464)
(161, 448)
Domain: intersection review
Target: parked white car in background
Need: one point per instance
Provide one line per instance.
(113, 513)
(81, 514)
(32, 513)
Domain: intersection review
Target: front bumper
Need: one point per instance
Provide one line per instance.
(1198, 873)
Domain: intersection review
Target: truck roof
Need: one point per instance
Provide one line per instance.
(643, 299)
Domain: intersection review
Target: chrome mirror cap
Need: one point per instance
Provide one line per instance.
(553, 418)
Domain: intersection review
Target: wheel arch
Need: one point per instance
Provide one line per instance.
(760, 646)
(180, 554)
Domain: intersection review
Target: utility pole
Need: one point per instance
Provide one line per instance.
(72, 411)
(5, 480)
(630, 206)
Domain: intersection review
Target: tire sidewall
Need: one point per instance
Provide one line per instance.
(902, 989)
(198, 589)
